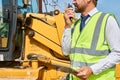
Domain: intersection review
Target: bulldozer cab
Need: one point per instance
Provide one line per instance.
(10, 32)
(8, 18)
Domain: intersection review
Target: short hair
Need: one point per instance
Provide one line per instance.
(95, 2)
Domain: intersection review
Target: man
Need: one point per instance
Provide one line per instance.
(93, 43)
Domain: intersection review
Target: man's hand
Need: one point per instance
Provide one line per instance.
(84, 72)
(69, 13)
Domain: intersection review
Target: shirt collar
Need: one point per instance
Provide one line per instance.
(93, 11)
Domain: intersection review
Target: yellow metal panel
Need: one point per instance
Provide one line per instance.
(10, 73)
(118, 71)
(4, 42)
(50, 32)
(48, 43)
(40, 45)
(60, 25)
(46, 36)
(50, 19)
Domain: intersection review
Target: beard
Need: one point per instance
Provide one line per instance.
(79, 9)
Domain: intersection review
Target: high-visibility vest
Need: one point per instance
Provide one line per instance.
(88, 46)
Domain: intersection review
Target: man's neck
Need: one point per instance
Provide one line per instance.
(88, 9)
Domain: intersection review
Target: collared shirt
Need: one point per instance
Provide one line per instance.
(112, 36)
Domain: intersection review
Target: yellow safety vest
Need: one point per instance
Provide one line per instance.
(88, 46)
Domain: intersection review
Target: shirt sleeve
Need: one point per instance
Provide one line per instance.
(66, 41)
(113, 38)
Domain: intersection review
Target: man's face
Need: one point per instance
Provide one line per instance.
(80, 5)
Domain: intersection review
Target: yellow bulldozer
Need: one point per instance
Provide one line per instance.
(30, 42)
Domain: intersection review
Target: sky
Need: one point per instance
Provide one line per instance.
(109, 6)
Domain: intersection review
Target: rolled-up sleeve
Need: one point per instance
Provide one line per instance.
(66, 41)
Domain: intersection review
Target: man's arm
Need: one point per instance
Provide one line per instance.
(66, 41)
(113, 39)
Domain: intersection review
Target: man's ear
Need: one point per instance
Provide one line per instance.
(89, 1)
